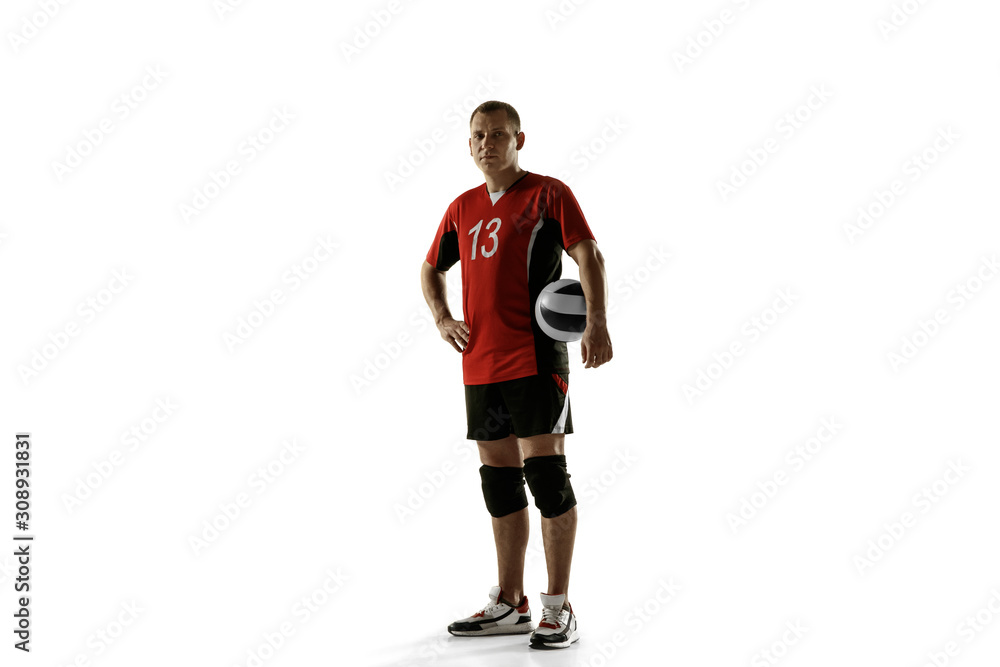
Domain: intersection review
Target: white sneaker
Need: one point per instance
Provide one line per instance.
(557, 628)
(499, 617)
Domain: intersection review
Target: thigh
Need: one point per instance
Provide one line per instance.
(500, 453)
(546, 444)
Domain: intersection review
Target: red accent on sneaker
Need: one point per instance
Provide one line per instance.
(546, 624)
(523, 607)
(478, 614)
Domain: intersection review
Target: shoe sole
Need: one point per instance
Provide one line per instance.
(519, 629)
(539, 644)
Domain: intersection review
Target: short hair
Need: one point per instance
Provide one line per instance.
(494, 105)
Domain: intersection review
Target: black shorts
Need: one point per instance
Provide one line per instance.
(524, 407)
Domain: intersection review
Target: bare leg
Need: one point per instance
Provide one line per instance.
(511, 535)
(558, 533)
(509, 532)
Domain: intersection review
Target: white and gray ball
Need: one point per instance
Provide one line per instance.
(561, 310)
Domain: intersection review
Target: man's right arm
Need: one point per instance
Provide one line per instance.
(435, 288)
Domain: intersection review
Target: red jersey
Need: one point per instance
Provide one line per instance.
(509, 251)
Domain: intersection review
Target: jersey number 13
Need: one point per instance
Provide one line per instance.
(493, 236)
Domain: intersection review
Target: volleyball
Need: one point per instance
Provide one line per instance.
(561, 310)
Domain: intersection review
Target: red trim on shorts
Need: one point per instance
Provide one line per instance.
(561, 383)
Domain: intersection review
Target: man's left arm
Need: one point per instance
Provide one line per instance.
(595, 346)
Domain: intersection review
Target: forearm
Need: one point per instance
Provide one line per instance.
(435, 289)
(594, 281)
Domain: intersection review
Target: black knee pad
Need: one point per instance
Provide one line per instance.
(549, 483)
(503, 489)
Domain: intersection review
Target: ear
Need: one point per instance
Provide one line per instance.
(520, 140)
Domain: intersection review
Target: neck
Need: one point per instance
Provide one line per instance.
(503, 180)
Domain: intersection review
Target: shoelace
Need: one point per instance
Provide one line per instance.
(551, 615)
(488, 609)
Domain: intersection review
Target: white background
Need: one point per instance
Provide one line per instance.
(382, 504)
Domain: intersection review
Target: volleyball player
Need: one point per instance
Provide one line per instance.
(508, 235)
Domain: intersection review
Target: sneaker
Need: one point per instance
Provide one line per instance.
(558, 626)
(499, 617)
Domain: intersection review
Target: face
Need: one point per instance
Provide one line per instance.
(492, 145)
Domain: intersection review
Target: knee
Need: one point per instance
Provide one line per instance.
(548, 479)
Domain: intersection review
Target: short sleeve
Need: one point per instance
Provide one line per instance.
(443, 252)
(562, 206)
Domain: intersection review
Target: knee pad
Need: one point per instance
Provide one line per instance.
(503, 489)
(549, 483)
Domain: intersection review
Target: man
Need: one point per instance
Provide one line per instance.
(509, 235)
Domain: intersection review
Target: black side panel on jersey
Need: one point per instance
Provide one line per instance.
(545, 266)
(447, 251)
